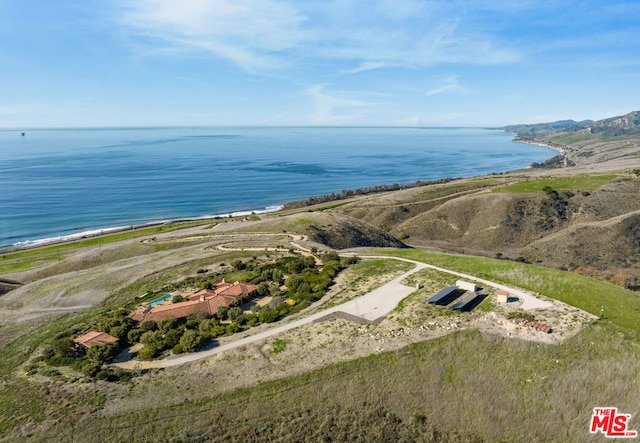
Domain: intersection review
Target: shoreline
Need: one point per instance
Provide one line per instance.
(97, 232)
(558, 147)
(93, 233)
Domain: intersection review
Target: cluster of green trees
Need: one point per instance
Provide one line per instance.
(347, 193)
(63, 351)
(292, 282)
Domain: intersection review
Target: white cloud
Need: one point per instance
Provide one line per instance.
(250, 33)
(340, 107)
(448, 84)
(257, 34)
(365, 66)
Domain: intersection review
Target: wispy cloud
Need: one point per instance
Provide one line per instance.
(365, 66)
(448, 84)
(250, 33)
(341, 107)
(258, 34)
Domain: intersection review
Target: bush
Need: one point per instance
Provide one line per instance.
(191, 341)
(330, 256)
(133, 336)
(102, 374)
(521, 314)
(149, 325)
(148, 352)
(217, 331)
(166, 324)
(64, 347)
(172, 338)
(90, 368)
(232, 328)
(221, 313)
(250, 319)
(177, 299)
(177, 349)
(206, 325)
(152, 338)
(238, 265)
(234, 313)
(120, 332)
(268, 316)
(103, 353)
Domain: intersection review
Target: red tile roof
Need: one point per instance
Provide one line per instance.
(206, 300)
(95, 338)
(236, 289)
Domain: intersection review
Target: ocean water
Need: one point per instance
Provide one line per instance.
(66, 182)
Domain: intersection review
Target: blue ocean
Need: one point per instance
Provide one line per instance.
(64, 182)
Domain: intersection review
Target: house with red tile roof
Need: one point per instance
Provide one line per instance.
(94, 338)
(207, 300)
(236, 290)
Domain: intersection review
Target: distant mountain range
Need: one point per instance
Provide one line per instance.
(628, 124)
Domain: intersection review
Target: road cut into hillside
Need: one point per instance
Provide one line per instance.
(369, 307)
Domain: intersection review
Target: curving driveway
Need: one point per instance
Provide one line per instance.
(370, 307)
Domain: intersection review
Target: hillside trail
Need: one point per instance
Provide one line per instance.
(587, 224)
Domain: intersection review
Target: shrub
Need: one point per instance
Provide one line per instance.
(90, 368)
(238, 265)
(177, 349)
(177, 299)
(268, 316)
(330, 256)
(103, 353)
(64, 347)
(148, 352)
(166, 324)
(232, 328)
(149, 325)
(172, 338)
(152, 338)
(234, 313)
(121, 332)
(217, 331)
(221, 313)
(133, 336)
(191, 341)
(521, 314)
(102, 374)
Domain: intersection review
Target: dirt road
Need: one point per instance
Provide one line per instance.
(371, 306)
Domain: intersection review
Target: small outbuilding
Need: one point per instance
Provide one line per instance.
(466, 286)
(502, 296)
(94, 338)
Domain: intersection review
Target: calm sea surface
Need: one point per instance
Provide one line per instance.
(57, 183)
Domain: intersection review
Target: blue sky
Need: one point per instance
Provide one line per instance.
(70, 63)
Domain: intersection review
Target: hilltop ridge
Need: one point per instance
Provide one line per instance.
(628, 124)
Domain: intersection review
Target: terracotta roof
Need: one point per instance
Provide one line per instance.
(236, 289)
(206, 292)
(223, 295)
(501, 292)
(95, 338)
